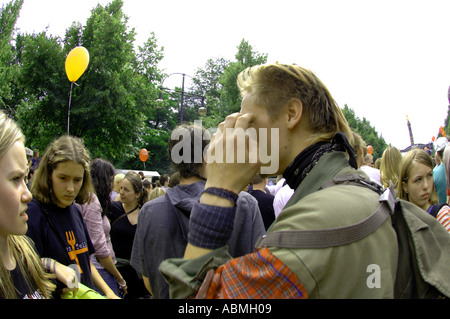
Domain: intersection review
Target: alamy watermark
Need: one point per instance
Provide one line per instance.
(247, 146)
(374, 279)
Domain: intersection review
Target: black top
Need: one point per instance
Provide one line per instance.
(265, 203)
(23, 290)
(122, 232)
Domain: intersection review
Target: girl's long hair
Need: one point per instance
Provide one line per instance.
(138, 187)
(102, 173)
(20, 246)
(30, 266)
(391, 164)
(63, 149)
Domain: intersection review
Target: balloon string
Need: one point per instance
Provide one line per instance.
(68, 112)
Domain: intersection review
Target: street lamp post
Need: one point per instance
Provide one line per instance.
(201, 110)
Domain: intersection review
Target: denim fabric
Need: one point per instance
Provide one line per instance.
(110, 281)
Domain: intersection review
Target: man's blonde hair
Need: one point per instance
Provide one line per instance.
(274, 85)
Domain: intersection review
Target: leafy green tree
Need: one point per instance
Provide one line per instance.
(366, 131)
(160, 116)
(8, 69)
(104, 110)
(229, 92)
(113, 104)
(207, 84)
(217, 82)
(156, 141)
(42, 110)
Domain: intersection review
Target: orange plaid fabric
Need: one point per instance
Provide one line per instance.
(260, 275)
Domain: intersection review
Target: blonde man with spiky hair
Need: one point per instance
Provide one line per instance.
(290, 107)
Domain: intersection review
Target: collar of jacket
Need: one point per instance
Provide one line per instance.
(302, 165)
(329, 165)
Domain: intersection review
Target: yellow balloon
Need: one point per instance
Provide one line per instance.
(76, 63)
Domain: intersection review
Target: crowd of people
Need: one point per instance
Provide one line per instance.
(129, 237)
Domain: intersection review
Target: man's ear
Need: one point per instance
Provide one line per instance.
(294, 112)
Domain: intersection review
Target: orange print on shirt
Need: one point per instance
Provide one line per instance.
(73, 255)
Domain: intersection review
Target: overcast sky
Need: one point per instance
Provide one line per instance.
(384, 59)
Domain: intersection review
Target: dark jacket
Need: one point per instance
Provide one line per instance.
(163, 227)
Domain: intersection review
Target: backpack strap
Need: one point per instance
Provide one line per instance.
(354, 179)
(331, 237)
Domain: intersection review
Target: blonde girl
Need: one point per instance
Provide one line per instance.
(391, 162)
(22, 273)
(157, 192)
(417, 185)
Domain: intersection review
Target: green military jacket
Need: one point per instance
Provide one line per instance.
(364, 269)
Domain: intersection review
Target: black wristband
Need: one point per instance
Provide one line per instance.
(222, 192)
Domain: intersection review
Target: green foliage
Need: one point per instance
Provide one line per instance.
(41, 90)
(157, 141)
(104, 107)
(366, 131)
(206, 83)
(8, 69)
(114, 105)
(229, 92)
(217, 82)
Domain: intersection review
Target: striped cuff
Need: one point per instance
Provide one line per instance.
(210, 227)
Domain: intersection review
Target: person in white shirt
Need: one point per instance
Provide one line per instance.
(281, 199)
(373, 173)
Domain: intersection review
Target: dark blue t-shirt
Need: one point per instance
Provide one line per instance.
(24, 291)
(70, 245)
